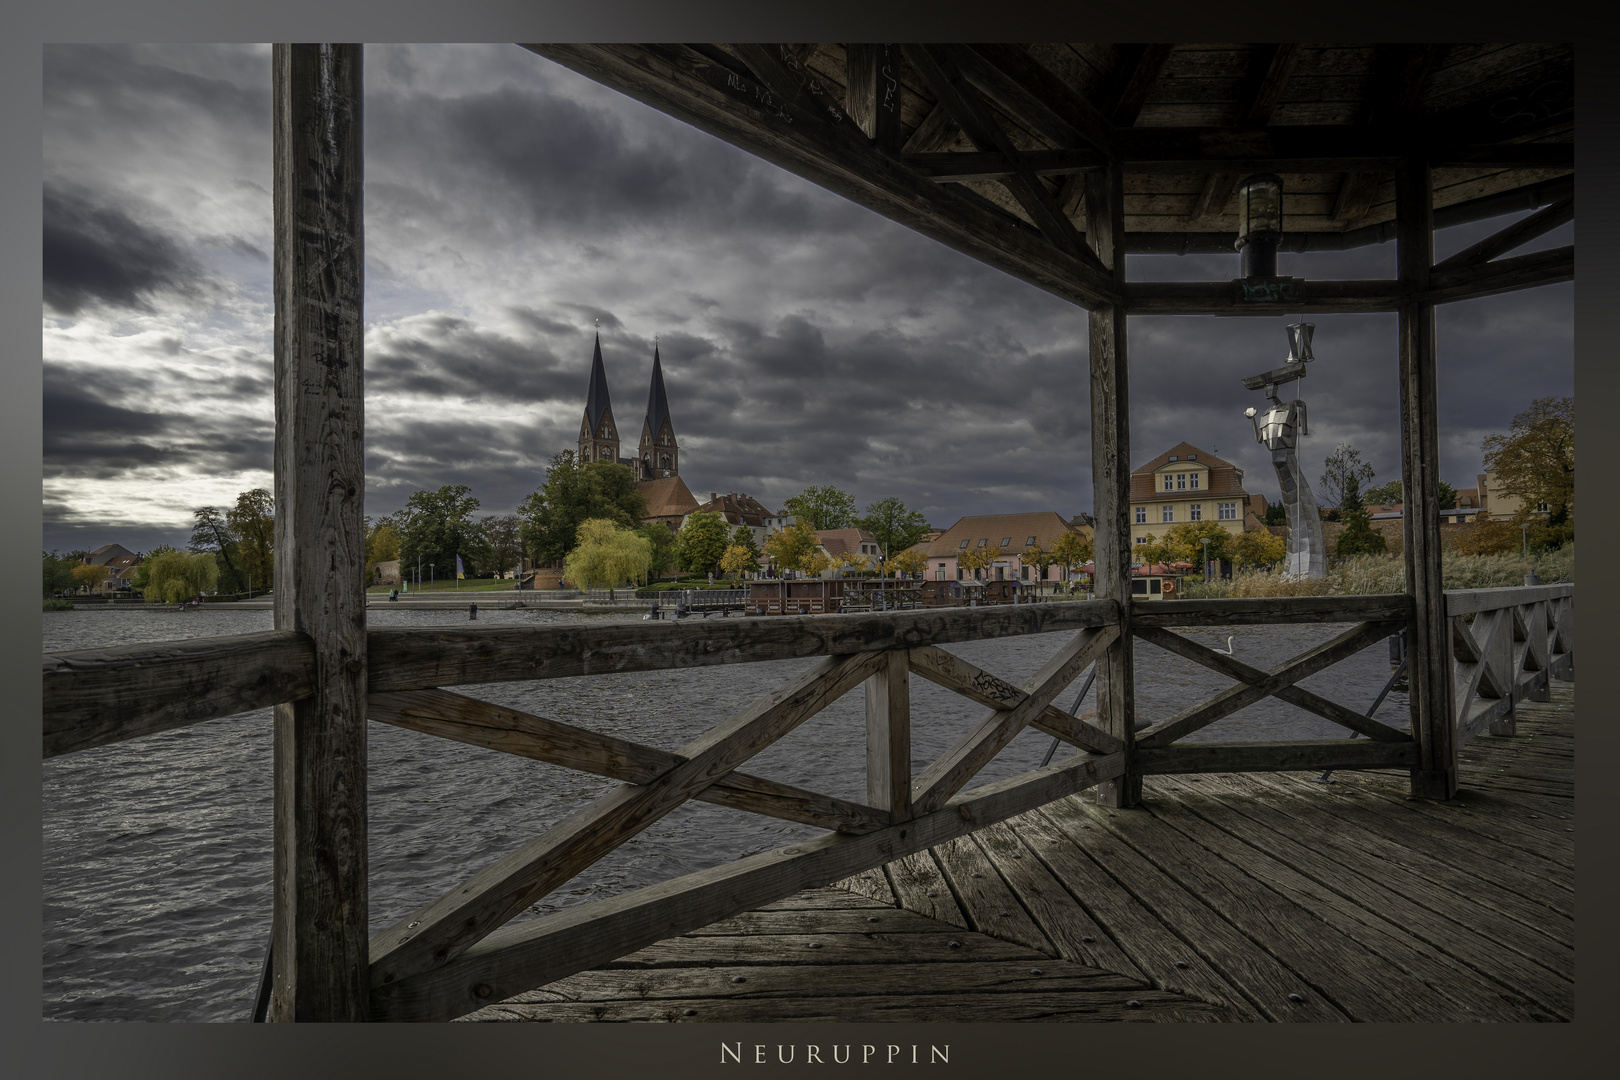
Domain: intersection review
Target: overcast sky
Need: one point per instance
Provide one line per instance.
(511, 203)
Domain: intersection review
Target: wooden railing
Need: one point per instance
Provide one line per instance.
(457, 953)
(1506, 644)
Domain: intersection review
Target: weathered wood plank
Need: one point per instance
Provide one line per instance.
(920, 886)
(1294, 695)
(1503, 275)
(871, 885)
(990, 906)
(1290, 756)
(414, 659)
(94, 697)
(1313, 951)
(1474, 995)
(937, 944)
(952, 672)
(1519, 233)
(1470, 601)
(1068, 926)
(1063, 1005)
(978, 747)
(803, 921)
(496, 727)
(442, 929)
(709, 987)
(888, 736)
(529, 954)
(319, 771)
(1272, 609)
(1227, 702)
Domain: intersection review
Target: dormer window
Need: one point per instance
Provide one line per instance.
(1005, 540)
(984, 542)
(1174, 458)
(963, 544)
(1192, 457)
(1030, 542)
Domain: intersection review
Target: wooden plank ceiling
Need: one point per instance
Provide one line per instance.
(984, 147)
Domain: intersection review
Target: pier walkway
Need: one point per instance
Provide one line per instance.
(1223, 897)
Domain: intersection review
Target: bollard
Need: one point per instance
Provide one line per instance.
(472, 611)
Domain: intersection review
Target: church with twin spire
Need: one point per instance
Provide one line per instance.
(657, 460)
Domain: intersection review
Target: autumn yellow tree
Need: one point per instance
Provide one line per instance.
(789, 548)
(909, 562)
(978, 558)
(738, 560)
(1256, 547)
(91, 575)
(1070, 551)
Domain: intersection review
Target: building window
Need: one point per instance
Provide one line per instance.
(1192, 481)
(1227, 511)
(1023, 572)
(1139, 587)
(1005, 540)
(1029, 542)
(983, 542)
(1181, 481)
(1141, 539)
(1169, 482)
(1141, 517)
(1192, 457)
(1195, 512)
(963, 544)
(958, 573)
(942, 575)
(1169, 514)
(1153, 586)
(978, 574)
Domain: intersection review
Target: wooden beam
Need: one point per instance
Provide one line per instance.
(888, 736)
(985, 133)
(977, 747)
(95, 697)
(957, 167)
(1503, 275)
(1283, 675)
(1024, 89)
(415, 659)
(446, 927)
(1429, 663)
(1296, 756)
(509, 731)
(539, 951)
(319, 897)
(1272, 610)
(1275, 67)
(1293, 695)
(958, 676)
(1135, 81)
(780, 70)
(861, 86)
(1213, 197)
(1223, 298)
(1111, 474)
(937, 131)
(1505, 155)
(1515, 235)
(706, 94)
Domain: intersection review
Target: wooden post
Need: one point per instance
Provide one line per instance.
(1429, 667)
(888, 736)
(1111, 473)
(320, 953)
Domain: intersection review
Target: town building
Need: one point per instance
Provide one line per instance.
(1185, 484)
(739, 509)
(106, 553)
(1010, 535)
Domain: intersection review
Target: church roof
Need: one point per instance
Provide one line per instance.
(596, 402)
(667, 496)
(657, 400)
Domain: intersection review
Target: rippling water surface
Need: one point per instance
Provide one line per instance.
(157, 851)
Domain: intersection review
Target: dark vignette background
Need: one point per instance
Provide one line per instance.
(138, 1051)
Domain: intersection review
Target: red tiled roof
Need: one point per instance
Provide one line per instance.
(667, 496)
(1045, 526)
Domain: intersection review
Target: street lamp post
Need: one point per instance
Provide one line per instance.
(1205, 542)
(1524, 535)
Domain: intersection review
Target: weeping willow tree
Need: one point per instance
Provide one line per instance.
(607, 554)
(174, 576)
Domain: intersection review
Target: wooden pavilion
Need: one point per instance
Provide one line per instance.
(1051, 162)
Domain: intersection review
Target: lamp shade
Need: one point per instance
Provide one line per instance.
(1299, 342)
(1259, 209)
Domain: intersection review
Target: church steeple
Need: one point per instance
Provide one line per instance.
(659, 453)
(598, 436)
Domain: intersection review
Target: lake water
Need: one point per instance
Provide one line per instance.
(157, 851)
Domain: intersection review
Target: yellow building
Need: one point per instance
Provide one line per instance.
(1185, 484)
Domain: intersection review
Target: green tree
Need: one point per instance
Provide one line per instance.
(504, 536)
(1276, 514)
(606, 553)
(437, 526)
(58, 573)
(252, 521)
(1535, 462)
(1394, 494)
(893, 525)
(738, 561)
(211, 532)
(1071, 551)
(742, 536)
(702, 542)
(662, 539)
(979, 558)
(823, 508)
(1185, 542)
(1359, 537)
(1486, 537)
(174, 576)
(791, 548)
(143, 568)
(1257, 548)
(1345, 472)
(1038, 557)
(574, 493)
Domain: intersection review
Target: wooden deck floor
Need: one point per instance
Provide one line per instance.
(1255, 897)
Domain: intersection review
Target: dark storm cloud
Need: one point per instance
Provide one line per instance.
(450, 357)
(96, 253)
(561, 162)
(121, 87)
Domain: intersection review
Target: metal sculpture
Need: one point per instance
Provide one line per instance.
(1279, 427)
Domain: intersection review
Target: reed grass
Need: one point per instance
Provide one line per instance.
(1364, 575)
